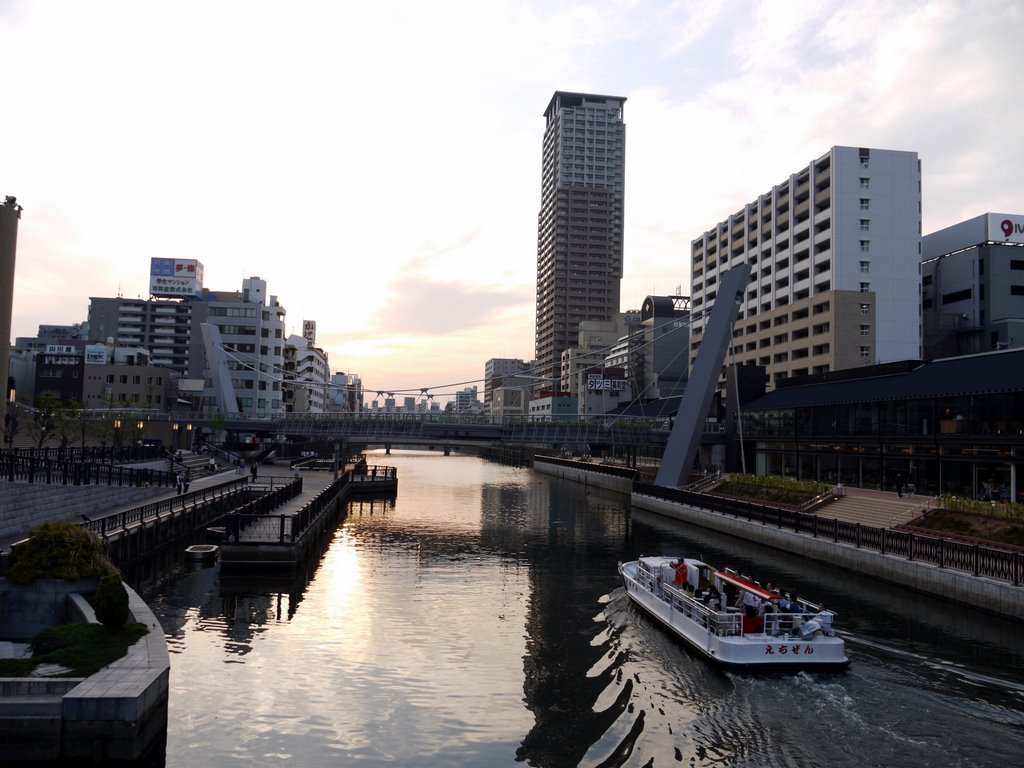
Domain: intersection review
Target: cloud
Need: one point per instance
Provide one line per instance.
(426, 308)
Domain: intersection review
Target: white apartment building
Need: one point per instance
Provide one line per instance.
(306, 376)
(834, 252)
(251, 332)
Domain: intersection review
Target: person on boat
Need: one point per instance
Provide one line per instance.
(753, 601)
(752, 623)
(824, 617)
(680, 577)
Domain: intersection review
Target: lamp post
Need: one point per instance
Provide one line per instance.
(117, 433)
(10, 421)
(174, 430)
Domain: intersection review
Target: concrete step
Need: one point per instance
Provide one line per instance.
(30, 706)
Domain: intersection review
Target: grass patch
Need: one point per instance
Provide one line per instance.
(83, 648)
(776, 491)
(16, 667)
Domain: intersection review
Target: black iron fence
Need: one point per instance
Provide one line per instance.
(92, 454)
(30, 467)
(590, 466)
(121, 521)
(962, 556)
(254, 524)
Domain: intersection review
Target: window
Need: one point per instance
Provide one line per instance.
(964, 295)
(865, 204)
(865, 182)
(865, 266)
(1017, 290)
(865, 309)
(865, 330)
(865, 157)
(865, 246)
(865, 225)
(1016, 264)
(865, 352)
(865, 287)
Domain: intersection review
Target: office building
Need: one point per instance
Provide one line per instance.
(659, 353)
(505, 372)
(835, 251)
(580, 224)
(972, 286)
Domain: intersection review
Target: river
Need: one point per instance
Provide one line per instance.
(477, 620)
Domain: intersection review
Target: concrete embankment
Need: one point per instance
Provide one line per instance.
(117, 714)
(989, 595)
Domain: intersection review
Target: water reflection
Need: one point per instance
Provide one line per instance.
(477, 619)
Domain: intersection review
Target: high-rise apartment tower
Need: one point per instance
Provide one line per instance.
(835, 253)
(579, 228)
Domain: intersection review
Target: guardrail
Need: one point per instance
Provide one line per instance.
(33, 469)
(262, 528)
(968, 557)
(589, 466)
(121, 521)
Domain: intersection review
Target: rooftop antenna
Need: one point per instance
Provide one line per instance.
(119, 293)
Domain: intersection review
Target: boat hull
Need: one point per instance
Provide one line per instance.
(689, 622)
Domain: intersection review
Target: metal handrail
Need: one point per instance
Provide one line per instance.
(966, 557)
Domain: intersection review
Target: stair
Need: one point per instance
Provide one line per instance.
(876, 511)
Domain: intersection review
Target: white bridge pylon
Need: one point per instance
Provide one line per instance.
(684, 440)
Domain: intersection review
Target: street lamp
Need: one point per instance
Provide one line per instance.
(174, 428)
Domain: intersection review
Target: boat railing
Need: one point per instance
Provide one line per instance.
(730, 621)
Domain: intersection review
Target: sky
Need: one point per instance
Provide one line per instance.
(378, 164)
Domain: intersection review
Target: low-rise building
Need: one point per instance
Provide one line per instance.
(972, 286)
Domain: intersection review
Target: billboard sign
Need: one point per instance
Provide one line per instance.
(97, 354)
(175, 277)
(309, 331)
(1004, 228)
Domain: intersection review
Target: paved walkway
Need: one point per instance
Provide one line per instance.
(313, 483)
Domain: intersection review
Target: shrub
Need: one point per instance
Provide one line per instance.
(59, 551)
(112, 603)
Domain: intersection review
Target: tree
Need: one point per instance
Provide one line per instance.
(40, 426)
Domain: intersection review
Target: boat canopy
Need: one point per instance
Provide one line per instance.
(747, 586)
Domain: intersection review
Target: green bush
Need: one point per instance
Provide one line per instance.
(59, 551)
(112, 603)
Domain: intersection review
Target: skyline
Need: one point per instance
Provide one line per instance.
(380, 167)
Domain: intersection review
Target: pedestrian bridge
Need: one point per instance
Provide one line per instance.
(430, 429)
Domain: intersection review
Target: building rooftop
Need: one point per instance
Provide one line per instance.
(987, 373)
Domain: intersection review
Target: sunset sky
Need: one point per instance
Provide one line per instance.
(378, 164)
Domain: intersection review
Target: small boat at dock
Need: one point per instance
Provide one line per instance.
(732, 620)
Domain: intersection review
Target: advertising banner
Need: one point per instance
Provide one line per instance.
(175, 277)
(1004, 228)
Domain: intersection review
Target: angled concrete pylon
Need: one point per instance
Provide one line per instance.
(684, 440)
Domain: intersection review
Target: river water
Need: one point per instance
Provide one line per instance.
(477, 620)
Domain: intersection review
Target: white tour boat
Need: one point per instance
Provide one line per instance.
(708, 608)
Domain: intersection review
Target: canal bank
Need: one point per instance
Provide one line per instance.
(1001, 598)
(117, 715)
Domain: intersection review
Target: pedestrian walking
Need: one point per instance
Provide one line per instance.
(188, 479)
(179, 482)
(253, 470)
